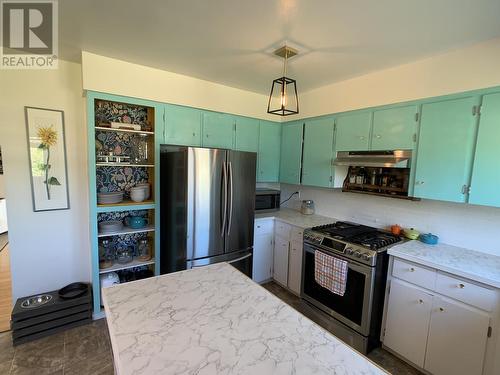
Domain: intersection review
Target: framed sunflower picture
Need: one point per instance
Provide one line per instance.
(47, 156)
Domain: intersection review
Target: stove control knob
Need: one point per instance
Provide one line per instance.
(349, 251)
(366, 256)
(357, 254)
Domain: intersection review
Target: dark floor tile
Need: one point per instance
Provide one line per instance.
(6, 348)
(5, 367)
(97, 327)
(36, 365)
(51, 347)
(85, 348)
(100, 364)
(392, 363)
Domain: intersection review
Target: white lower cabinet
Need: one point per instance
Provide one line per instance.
(262, 266)
(457, 339)
(288, 256)
(408, 316)
(280, 268)
(437, 332)
(295, 261)
(262, 257)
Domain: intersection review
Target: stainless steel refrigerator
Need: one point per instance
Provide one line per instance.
(207, 203)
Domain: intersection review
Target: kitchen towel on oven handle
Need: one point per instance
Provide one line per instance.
(330, 272)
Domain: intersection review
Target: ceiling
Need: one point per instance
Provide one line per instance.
(231, 41)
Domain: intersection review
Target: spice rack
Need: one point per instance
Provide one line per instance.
(113, 168)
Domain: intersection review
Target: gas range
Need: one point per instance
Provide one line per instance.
(358, 242)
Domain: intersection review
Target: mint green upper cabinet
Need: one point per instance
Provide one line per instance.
(353, 131)
(247, 134)
(485, 183)
(394, 128)
(291, 153)
(268, 158)
(318, 152)
(218, 130)
(182, 126)
(446, 144)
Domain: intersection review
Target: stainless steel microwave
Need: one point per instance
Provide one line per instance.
(267, 200)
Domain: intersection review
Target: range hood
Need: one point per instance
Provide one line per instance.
(382, 159)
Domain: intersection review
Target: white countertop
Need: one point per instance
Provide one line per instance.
(294, 217)
(473, 265)
(215, 320)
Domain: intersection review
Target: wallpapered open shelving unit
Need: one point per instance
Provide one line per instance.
(112, 176)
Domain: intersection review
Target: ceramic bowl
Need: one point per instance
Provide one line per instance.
(137, 195)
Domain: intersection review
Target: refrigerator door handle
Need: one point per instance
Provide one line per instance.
(229, 224)
(241, 258)
(224, 199)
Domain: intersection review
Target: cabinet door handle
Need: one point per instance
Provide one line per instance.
(194, 134)
(421, 301)
(378, 136)
(461, 286)
(441, 309)
(412, 269)
(361, 137)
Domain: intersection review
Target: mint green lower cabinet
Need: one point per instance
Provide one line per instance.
(318, 153)
(247, 134)
(394, 128)
(182, 126)
(485, 185)
(445, 149)
(268, 157)
(353, 131)
(218, 130)
(291, 153)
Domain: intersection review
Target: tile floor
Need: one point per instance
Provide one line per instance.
(83, 350)
(86, 350)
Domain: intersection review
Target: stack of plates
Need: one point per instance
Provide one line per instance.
(110, 198)
(110, 226)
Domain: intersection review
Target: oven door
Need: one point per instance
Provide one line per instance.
(354, 307)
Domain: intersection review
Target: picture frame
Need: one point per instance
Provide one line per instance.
(47, 158)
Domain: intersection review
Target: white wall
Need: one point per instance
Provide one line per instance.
(119, 77)
(2, 186)
(465, 69)
(463, 225)
(47, 249)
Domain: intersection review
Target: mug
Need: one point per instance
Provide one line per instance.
(136, 222)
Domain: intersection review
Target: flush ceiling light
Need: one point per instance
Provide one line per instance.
(283, 99)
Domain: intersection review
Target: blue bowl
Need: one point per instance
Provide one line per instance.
(429, 238)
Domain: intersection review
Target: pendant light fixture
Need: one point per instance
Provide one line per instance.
(283, 99)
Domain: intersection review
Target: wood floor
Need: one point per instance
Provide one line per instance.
(5, 290)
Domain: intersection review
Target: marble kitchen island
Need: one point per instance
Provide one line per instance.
(215, 320)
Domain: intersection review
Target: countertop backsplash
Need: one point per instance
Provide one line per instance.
(464, 225)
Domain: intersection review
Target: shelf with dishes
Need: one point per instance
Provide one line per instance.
(134, 263)
(126, 230)
(121, 133)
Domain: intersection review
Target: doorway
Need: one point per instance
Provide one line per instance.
(5, 275)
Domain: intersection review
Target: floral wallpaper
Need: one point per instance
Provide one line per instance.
(118, 143)
(106, 111)
(109, 179)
